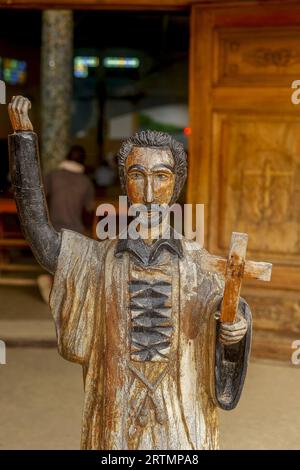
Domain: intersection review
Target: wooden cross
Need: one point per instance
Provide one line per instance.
(2, 92)
(235, 269)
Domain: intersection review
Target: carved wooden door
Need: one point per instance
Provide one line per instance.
(245, 150)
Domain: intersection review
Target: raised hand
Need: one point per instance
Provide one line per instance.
(18, 113)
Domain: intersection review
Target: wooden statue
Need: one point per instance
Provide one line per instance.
(142, 317)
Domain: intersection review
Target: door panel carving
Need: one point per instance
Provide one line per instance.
(245, 150)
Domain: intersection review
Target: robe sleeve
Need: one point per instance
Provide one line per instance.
(29, 194)
(229, 362)
(75, 295)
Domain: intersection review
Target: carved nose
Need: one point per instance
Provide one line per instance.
(148, 191)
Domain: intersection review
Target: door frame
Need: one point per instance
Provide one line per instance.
(102, 4)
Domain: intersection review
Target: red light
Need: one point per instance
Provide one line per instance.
(187, 131)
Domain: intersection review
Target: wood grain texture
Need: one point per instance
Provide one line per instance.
(133, 404)
(252, 270)
(256, 169)
(234, 270)
(243, 59)
(234, 276)
(256, 56)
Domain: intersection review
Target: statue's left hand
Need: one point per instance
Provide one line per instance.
(231, 333)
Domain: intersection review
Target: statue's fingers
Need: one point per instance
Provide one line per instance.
(20, 104)
(25, 106)
(233, 338)
(14, 103)
(10, 113)
(234, 326)
(229, 341)
(16, 112)
(233, 333)
(18, 99)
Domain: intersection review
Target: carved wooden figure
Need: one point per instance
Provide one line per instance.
(140, 316)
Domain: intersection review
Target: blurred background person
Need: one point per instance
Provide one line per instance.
(70, 193)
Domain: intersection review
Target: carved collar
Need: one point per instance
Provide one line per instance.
(148, 254)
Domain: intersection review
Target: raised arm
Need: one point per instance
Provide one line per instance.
(28, 187)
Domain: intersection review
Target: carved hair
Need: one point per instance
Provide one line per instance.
(160, 140)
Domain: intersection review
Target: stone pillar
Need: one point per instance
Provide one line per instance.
(57, 73)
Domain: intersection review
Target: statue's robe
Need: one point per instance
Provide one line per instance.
(135, 398)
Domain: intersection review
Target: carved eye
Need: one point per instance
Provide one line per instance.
(136, 176)
(162, 176)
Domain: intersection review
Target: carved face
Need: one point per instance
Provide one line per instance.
(150, 176)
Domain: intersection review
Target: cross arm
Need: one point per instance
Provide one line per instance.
(235, 269)
(258, 270)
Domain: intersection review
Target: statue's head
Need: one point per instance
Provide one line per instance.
(152, 167)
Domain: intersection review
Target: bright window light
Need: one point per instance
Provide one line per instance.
(82, 65)
(13, 71)
(121, 62)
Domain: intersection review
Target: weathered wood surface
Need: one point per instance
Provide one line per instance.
(138, 314)
(234, 270)
(258, 270)
(245, 137)
(234, 276)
